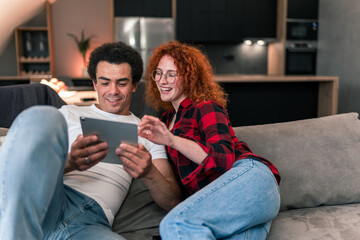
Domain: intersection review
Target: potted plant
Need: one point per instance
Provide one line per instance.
(83, 45)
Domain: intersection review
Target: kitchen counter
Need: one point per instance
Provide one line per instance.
(35, 78)
(328, 87)
(80, 98)
(273, 78)
(272, 91)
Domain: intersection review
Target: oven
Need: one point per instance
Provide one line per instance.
(300, 58)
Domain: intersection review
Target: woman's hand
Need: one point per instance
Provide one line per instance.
(154, 130)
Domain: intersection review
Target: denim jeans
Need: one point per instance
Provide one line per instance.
(240, 204)
(34, 202)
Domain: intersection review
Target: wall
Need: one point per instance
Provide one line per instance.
(237, 58)
(339, 50)
(69, 16)
(8, 65)
(14, 13)
(8, 59)
(94, 17)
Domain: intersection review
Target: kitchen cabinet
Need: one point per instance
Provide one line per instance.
(225, 20)
(142, 8)
(303, 9)
(263, 99)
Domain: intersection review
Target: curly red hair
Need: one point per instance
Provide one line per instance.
(193, 66)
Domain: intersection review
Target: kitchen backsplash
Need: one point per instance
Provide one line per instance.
(236, 58)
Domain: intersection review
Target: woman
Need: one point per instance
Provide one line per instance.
(231, 192)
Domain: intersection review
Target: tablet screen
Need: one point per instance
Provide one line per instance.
(111, 132)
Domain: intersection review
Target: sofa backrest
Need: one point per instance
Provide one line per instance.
(16, 98)
(318, 159)
(139, 106)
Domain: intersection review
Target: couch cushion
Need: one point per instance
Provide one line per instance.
(139, 215)
(318, 159)
(329, 222)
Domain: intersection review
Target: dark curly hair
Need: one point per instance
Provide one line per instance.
(116, 53)
(193, 66)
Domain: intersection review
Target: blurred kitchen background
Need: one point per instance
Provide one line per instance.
(256, 37)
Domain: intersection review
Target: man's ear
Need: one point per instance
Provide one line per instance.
(94, 85)
(134, 87)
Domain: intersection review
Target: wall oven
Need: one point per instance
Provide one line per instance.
(300, 58)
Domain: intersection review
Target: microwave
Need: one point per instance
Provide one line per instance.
(301, 29)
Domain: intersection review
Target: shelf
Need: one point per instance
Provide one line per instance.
(36, 74)
(34, 48)
(35, 60)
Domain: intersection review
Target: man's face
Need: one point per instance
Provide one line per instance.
(114, 87)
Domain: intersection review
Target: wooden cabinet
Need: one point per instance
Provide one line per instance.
(34, 49)
(33, 54)
(293, 12)
(225, 20)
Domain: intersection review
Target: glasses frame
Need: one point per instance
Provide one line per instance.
(164, 74)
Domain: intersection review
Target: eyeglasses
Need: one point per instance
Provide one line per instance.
(170, 76)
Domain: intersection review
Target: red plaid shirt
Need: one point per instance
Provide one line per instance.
(208, 124)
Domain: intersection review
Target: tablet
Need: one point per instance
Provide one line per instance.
(111, 132)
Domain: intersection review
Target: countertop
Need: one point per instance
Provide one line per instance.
(273, 78)
(227, 78)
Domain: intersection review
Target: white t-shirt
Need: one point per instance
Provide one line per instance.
(106, 183)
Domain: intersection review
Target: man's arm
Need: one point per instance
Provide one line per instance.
(163, 185)
(156, 174)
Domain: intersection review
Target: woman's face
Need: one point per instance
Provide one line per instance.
(170, 84)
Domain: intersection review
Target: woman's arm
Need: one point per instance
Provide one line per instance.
(212, 145)
(156, 131)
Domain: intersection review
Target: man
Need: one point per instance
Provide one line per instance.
(53, 184)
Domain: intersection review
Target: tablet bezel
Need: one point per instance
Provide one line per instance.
(111, 132)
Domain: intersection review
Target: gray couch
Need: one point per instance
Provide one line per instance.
(319, 161)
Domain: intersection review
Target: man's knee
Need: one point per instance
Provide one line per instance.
(41, 118)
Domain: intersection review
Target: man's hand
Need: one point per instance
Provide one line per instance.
(85, 152)
(156, 174)
(136, 160)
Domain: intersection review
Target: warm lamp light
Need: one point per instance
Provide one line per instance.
(248, 42)
(261, 42)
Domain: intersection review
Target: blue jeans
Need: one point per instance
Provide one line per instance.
(34, 202)
(240, 204)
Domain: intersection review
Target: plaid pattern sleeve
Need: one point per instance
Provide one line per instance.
(207, 124)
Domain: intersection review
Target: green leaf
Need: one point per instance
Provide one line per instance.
(83, 44)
